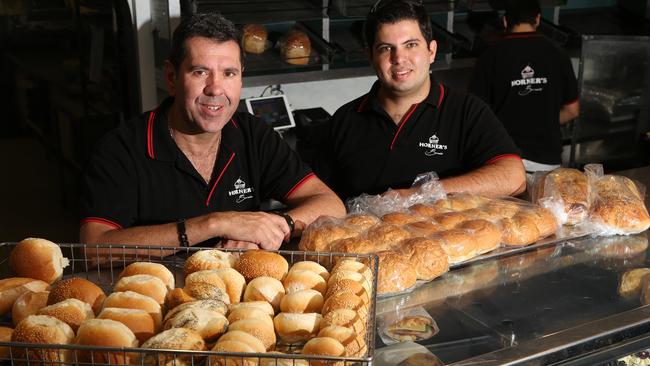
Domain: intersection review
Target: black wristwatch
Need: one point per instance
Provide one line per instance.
(182, 235)
(287, 218)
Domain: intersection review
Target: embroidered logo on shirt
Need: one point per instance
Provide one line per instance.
(529, 82)
(241, 191)
(433, 146)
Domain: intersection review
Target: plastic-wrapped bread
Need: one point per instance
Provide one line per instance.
(519, 230)
(487, 234)
(254, 38)
(395, 273)
(459, 244)
(426, 256)
(630, 285)
(321, 233)
(617, 207)
(296, 47)
(567, 191)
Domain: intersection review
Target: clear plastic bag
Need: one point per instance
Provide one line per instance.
(406, 354)
(565, 192)
(406, 324)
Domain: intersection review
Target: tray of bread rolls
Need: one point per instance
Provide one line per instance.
(122, 305)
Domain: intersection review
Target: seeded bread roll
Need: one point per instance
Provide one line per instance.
(177, 297)
(106, 333)
(70, 311)
(173, 339)
(318, 238)
(147, 285)
(28, 304)
(346, 300)
(5, 336)
(258, 329)
(246, 338)
(39, 259)
(208, 323)
(254, 38)
(395, 274)
(354, 266)
(324, 346)
(250, 313)
(257, 263)
(265, 306)
(208, 259)
(296, 47)
(12, 288)
(348, 285)
(459, 244)
(344, 318)
(134, 300)
(310, 266)
(210, 304)
(349, 275)
(426, 256)
(77, 288)
(266, 289)
(303, 301)
(138, 321)
(297, 327)
(153, 269)
(303, 280)
(355, 345)
(42, 329)
(234, 281)
(206, 284)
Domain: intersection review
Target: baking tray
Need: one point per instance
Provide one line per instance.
(115, 258)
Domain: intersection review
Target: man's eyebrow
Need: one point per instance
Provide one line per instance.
(411, 40)
(232, 69)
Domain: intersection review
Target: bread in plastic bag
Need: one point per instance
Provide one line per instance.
(565, 192)
(426, 256)
(395, 274)
(406, 324)
(318, 236)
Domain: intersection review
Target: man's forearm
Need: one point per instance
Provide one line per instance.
(505, 177)
(312, 200)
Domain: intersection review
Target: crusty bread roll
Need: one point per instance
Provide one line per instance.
(256, 328)
(28, 304)
(459, 244)
(234, 281)
(254, 38)
(349, 264)
(134, 300)
(12, 288)
(618, 206)
(266, 289)
(297, 327)
(77, 288)
(257, 263)
(346, 300)
(487, 234)
(250, 313)
(349, 275)
(210, 304)
(361, 222)
(356, 245)
(500, 209)
(173, 339)
(355, 344)
(630, 285)
(42, 329)
(70, 311)
(303, 301)
(519, 230)
(311, 266)
(303, 280)
(208, 259)
(246, 338)
(400, 218)
(5, 336)
(153, 269)
(348, 285)
(318, 238)
(395, 274)
(571, 186)
(386, 235)
(426, 256)
(177, 297)
(450, 220)
(479, 213)
(344, 318)
(263, 305)
(38, 259)
(424, 227)
(324, 346)
(138, 321)
(296, 47)
(230, 346)
(206, 284)
(106, 333)
(208, 323)
(144, 284)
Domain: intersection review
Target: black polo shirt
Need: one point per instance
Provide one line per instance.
(139, 176)
(449, 133)
(526, 80)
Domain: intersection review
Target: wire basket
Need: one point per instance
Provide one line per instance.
(102, 264)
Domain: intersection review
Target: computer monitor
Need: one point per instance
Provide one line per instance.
(273, 110)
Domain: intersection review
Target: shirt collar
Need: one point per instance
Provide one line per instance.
(521, 35)
(371, 100)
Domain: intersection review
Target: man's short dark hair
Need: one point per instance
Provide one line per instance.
(522, 11)
(393, 11)
(209, 25)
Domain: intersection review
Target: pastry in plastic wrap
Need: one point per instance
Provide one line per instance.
(357, 245)
(480, 213)
(325, 230)
(571, 190)
(387, 235)
(254, 38)
(450, 220)
(395, 273)
(519, 230)
(296, 47)
(412, 328)
(426, 256)
(459, 244)
(631, 280)
(487, 234)
(618, 207)
(400, 218)
(361, 222)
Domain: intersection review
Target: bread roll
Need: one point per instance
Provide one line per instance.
(5, 336)
(173, 339)
(296, 47)
(386, 235)
(450, 220)
(134, 300)
(257, 263)
(177, 297)
(361, 222)
(276, 361)
(427, 210)
(395, 274)
(357, 245)
(348, 285)
(520, 230)
(266, 289)
(630, 285)
(234, 281)
(355, 344)
(459, 244)
(500, 209)
(318, 238)
(264, 305)
(12, 288)
(147, 285)
(572, 188)
(324, 346)
(77, 288)
(487, 234)
(303, 301)
(349, 275)
(465, 201)
(208, 323)
(70, 311)
(346, 300)
(400, 218)
(250, 313)
(138, 321)
(206, 284)
(297, 327)
(38, 259)
(210, 304)
(153, 269)
(254, 38)
(42, 329)
(208, 259)
(303, 280)
(426, 256)
(311, 266)
(618, 206)
(230, 346)
(348, 264)
(258, 329)
(106, 333)
(424, 228)
(243, 337)
(344, 318)
(28, 304)
(480, 214)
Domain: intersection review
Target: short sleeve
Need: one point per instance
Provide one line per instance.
(109, 187)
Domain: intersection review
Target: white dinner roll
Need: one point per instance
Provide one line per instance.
(70, 311)
(42, 329)
(234, 281)
(12, 288)
(106, 333)
(265, 306)
(297, 327)
(134, 300)
(153, 269)
(77, 288)
(346, 300)
(208, 259)
(173, 339)
(354, 266)
(261, 330)
(208, 323)
(247, 338)
(232, 360)
(266, 289)
(143, 284)
(355, 344)
(350, 275)
(297, 280)
(38, 258)
(323, 346)
(310, 266)
(28, 304)
(250, 313)
(138, 321)
(303, 301)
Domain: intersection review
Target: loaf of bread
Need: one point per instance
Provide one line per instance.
(571, 187)
(38, 259)
(296, 47)
(254, 38)
(618, 207)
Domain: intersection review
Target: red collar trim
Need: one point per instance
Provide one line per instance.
(207, 202)
(442, 95)
(150, 150)
(232, 120)
(406, 118)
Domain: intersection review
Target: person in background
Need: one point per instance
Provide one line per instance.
(409, 123)
(194, 171)
(530, 85)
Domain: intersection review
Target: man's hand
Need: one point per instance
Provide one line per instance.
(234, 244)
(263, 229)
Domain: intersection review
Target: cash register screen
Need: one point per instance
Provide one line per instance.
(272, 110)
